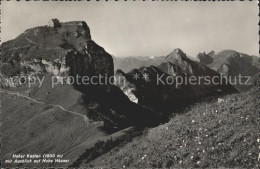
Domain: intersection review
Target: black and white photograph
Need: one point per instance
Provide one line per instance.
(129, 84)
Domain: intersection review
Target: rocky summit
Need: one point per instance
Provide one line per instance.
(59, 48)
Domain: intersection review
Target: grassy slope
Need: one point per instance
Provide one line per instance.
(208, 134)
(28, 127)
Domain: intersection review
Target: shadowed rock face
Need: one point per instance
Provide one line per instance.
(64, 50)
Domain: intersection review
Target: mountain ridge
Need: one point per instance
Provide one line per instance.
(165, 97)
(232, 64)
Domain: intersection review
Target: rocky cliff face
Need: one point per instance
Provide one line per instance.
(63, 50)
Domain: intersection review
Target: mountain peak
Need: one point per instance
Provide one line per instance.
(176, 55)
(178, 51)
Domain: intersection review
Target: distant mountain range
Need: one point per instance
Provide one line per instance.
(126, 64)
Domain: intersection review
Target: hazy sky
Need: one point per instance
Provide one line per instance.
(146, 28)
